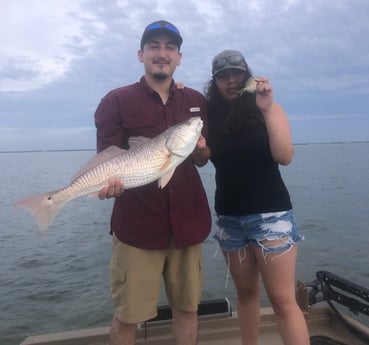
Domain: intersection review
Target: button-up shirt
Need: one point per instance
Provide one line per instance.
(149, 217)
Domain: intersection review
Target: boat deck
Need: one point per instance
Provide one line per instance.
(215, 330)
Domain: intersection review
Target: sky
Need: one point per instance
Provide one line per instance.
(58, 58)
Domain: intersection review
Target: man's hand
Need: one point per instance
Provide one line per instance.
(201, 154)
(113, 190)
(201, 143)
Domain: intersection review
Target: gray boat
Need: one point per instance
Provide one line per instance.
(324, 302)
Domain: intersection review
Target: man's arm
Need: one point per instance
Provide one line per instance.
(109, 131)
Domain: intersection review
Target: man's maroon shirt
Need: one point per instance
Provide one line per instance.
(148, 217)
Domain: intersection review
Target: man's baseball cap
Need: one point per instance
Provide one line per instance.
(161, 27)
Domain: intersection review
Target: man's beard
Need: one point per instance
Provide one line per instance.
(160, 76)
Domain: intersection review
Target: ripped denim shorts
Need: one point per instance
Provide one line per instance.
(237, 232)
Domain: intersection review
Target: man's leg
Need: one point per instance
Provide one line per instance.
(183, 283)
(185, 327)
(136, 276)
(122, 333)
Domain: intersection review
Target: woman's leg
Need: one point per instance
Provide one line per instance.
(278, 274)
(245, 274)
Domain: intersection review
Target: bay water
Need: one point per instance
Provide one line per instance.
(59, 280)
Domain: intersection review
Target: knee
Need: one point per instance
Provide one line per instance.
(122, 333)
(119, 326)
(247, 294)
(282, 306)
(184, 315)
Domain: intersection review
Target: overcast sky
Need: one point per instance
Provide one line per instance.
(58, 58)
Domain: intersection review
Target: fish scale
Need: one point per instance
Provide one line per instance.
(146, 161)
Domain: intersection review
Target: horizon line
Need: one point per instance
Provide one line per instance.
(74, 150)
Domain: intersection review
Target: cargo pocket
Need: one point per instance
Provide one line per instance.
(118, 285)
(201, 275)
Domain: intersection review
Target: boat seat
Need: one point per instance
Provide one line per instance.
(219, 307)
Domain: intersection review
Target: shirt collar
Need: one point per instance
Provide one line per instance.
(150, 90)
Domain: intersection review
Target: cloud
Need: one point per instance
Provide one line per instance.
(49, 36)
(58, 58)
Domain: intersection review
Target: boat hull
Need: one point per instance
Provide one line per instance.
(217, 329)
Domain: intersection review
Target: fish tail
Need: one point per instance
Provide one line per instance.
(42, 207)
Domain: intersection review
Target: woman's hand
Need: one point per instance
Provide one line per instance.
(179, 85)
(264, 95)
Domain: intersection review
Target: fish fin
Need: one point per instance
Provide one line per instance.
(137, 141)
(99, 158)
(42, 207)
(165, 164)
(163, 181)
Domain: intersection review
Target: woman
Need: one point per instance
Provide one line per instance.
(249, 136)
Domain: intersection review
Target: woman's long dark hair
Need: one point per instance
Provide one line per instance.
(238, 114)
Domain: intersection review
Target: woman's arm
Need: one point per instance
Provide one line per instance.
(276, 122)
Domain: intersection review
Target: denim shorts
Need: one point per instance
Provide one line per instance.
(274, 232)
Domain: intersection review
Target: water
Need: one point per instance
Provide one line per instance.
(59, 280)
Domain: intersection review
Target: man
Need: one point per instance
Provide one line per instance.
(156, 232)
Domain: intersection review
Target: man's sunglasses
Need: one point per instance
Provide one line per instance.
(162, 26)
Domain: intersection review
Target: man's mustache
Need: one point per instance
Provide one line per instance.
(161, 61)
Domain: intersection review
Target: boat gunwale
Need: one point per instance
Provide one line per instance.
(210, 327)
